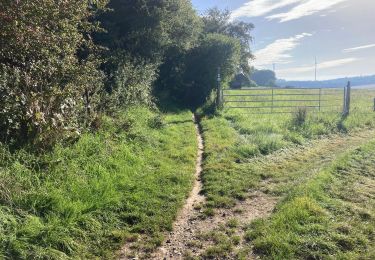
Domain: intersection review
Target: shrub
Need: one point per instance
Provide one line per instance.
(131, 82)
(49, 75)
(157, 122)
(299, 117)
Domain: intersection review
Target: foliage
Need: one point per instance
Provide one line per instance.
(266, 78)
(156, 34)
(51, 76)
(130, 84)
(45, 86)
(217, 21)
(214, 51)
(146, 29)
(170, 83)
(299, 117)
(242, 81)
(190, 74)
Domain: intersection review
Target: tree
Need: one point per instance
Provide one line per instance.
(146, 29)
(182, 66)
(214, 50)
(151, 32)
(49, 74)
(217, 21)
(242, 81)
(264, 77)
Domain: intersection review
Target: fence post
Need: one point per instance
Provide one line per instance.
(219, 92)
(272, 101)
(320, 99)
(347, 93)
(344, 102)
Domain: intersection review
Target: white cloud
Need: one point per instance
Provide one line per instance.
(278, 51)
(305, 8)
(301, 8)
(261, 7)
(359, 48)
(323, 65)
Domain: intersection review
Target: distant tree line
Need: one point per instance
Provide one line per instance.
(332, 83)
(254, 78)
(63, 63)
(265, 78)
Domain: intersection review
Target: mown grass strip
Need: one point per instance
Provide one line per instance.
(330, 216)
(232, 138)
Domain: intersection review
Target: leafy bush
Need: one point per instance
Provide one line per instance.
(49, 71)
(130, 83)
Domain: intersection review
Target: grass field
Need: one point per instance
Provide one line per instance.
(289, 156)
(332, 215)
(125, 183)
(84, 201)
(235, 136)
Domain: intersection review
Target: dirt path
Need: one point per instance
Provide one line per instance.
(193, 235)
(184, 240)
(174, 245)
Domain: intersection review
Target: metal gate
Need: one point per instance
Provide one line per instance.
(288, 100)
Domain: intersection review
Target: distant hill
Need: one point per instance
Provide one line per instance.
(333, 83)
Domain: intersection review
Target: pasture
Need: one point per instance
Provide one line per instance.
(240, 134)
(253, 154)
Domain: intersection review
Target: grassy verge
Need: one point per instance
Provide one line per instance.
(87, 199)
(233, 138)
(331, 216)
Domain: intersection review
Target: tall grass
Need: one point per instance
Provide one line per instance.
(87, 199)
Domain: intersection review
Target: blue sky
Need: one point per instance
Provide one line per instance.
(290, 33)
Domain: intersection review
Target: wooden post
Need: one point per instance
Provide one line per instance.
(348, 95)
(344, 102)
(347, 99)
(219, 94)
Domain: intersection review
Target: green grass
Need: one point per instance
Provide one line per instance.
(221, 241)
(279, 153)
(85, 200)
(332, 216)
(233, 137)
